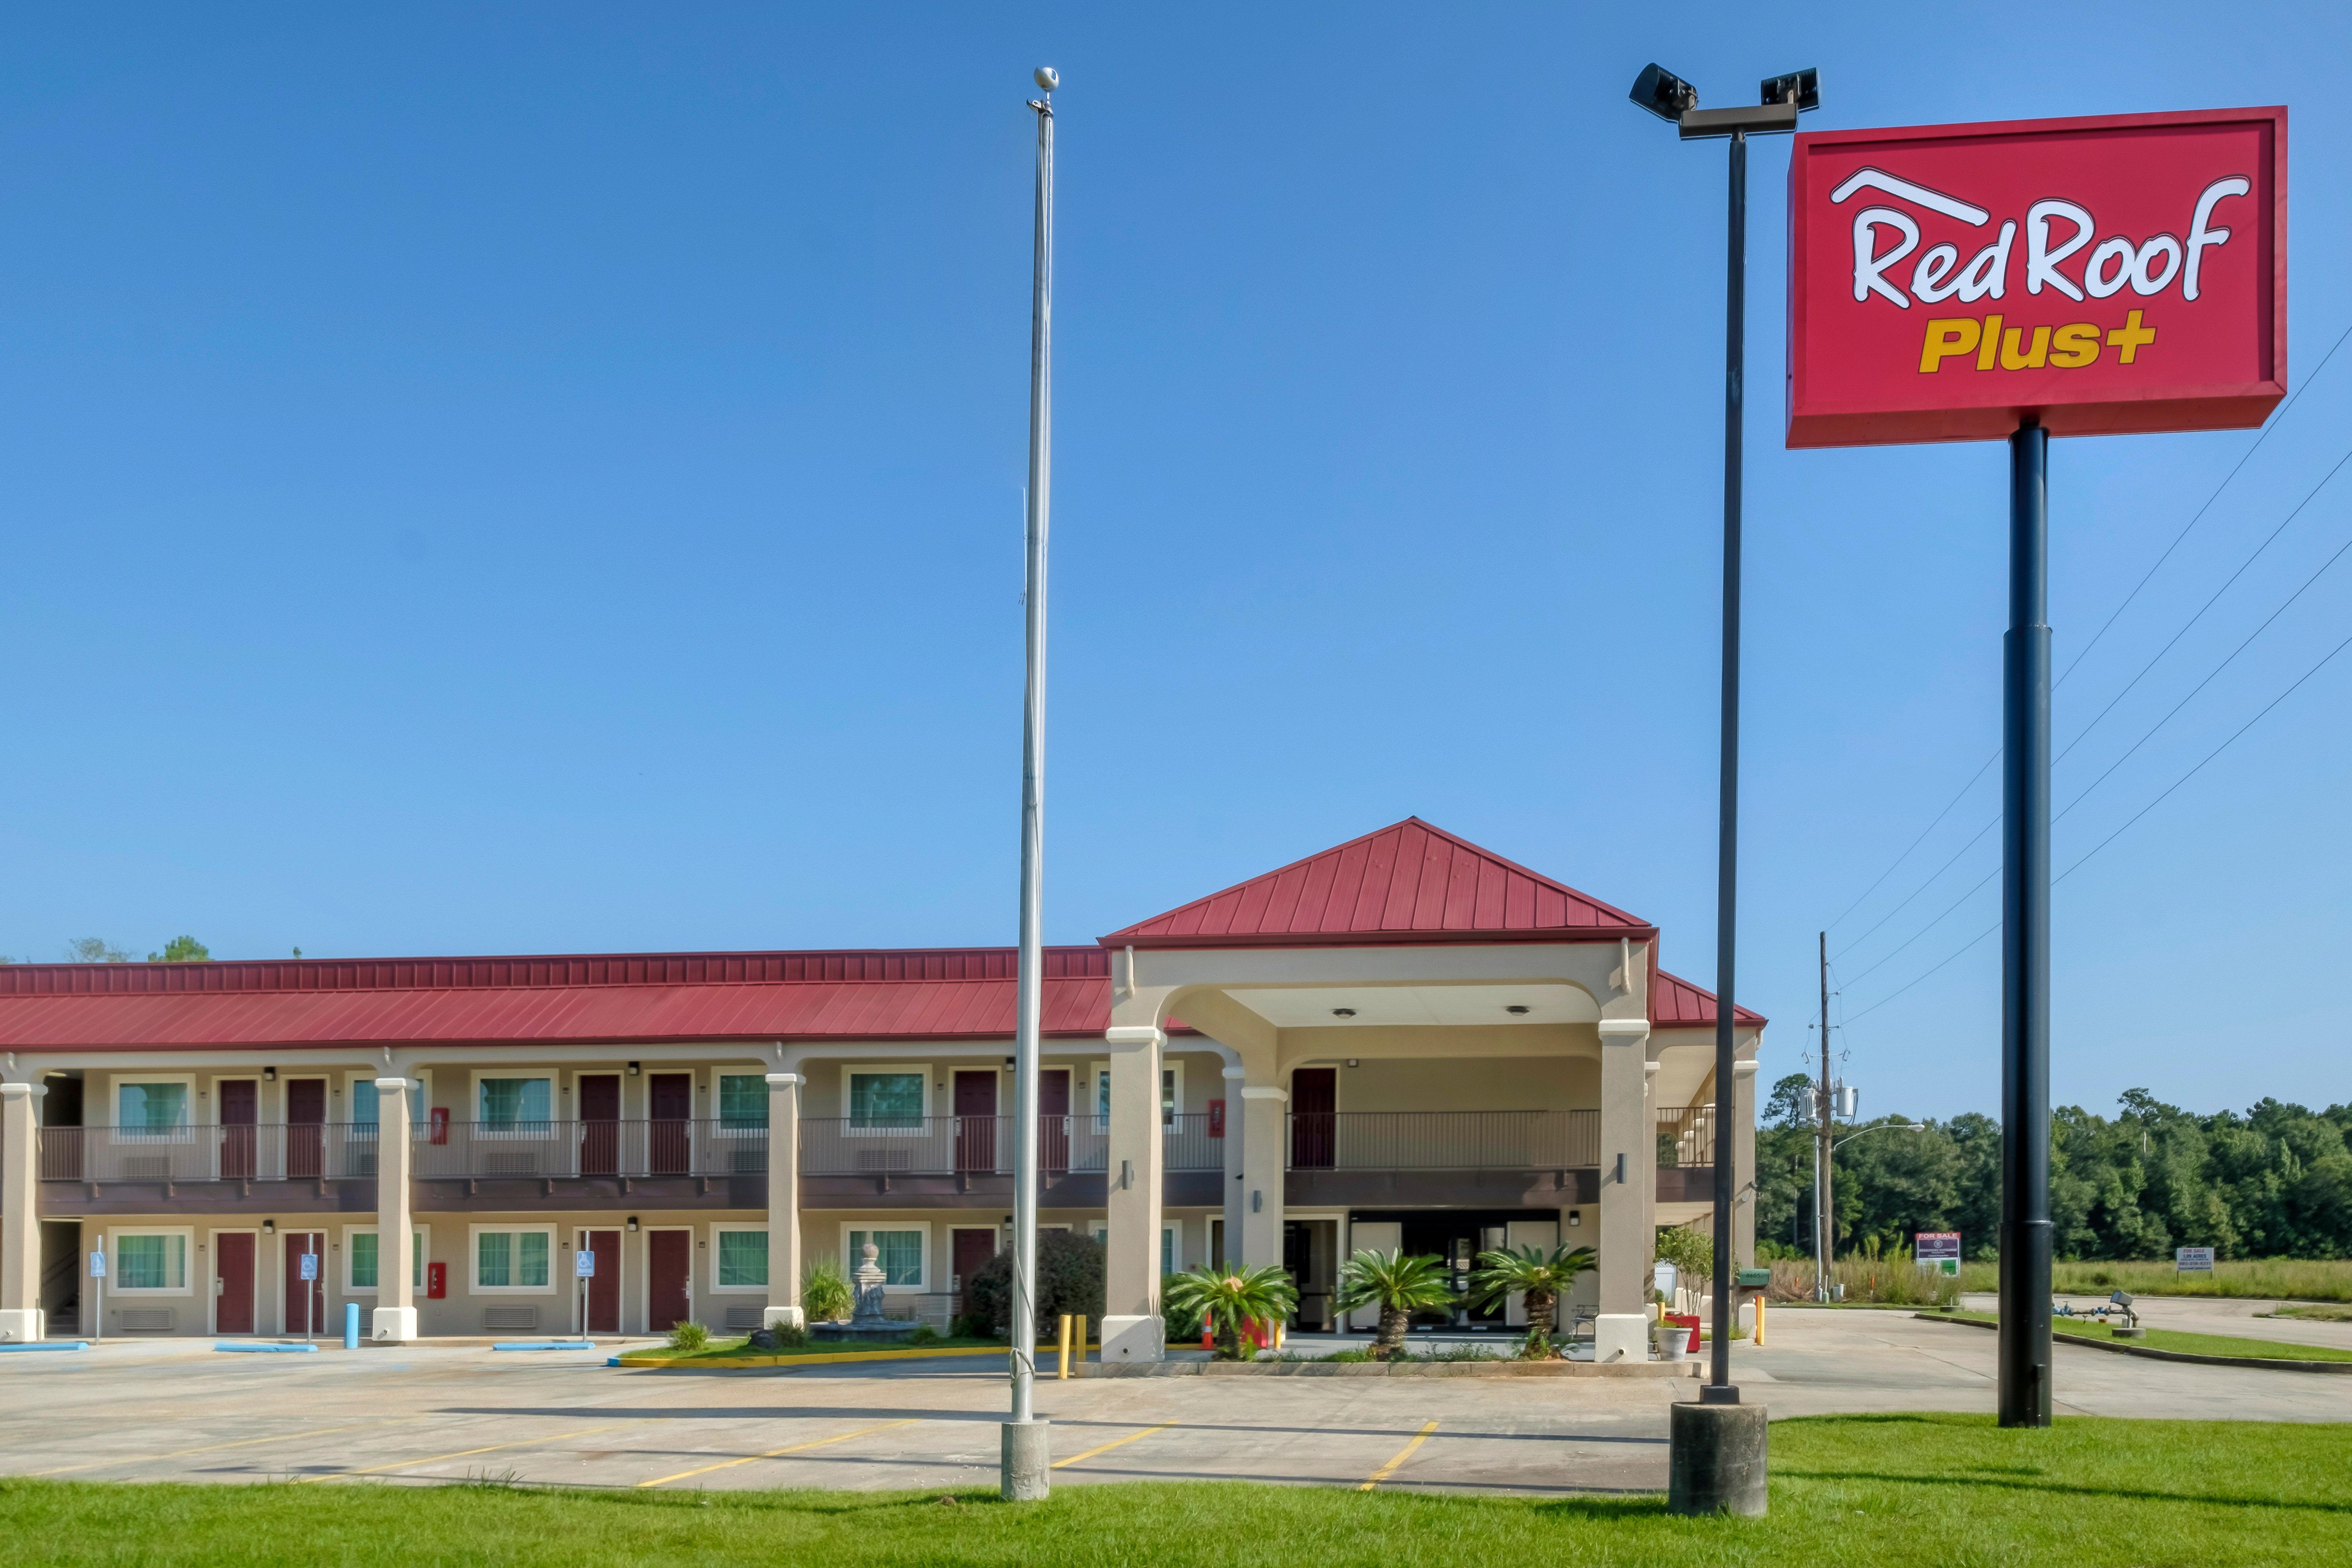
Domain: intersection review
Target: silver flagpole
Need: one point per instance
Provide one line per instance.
(1027, 1448)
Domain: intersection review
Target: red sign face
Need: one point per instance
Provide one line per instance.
(2104, 276)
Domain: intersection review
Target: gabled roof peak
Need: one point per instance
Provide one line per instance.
(1409, 882)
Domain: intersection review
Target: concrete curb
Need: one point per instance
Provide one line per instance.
(1389, 1369)
(2268, 1362)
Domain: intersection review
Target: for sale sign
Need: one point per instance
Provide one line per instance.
(2104, 276)
(2193, 1260)
(1937, 1250)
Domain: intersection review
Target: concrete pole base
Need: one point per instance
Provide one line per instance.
(782, 1318)
(1715, 1462)
(1028, 1461)
(23, 1325)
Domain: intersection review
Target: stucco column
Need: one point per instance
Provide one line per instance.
(20, 1219)
(1236, 1162)
(1131, 1327)
(395, 1301)
(1743, 1171)
(1648, 1165)
(1265, 1166)
(1628, 1162)
(784, 1309)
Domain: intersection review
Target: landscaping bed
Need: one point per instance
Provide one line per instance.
(1846, 1492)
(734, 1352)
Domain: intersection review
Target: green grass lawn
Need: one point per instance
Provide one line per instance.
(2187, 1343)
(1845, 1491)
(2310, 1313)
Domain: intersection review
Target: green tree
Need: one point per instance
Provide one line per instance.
(94, 949)
(1232, 1297)
(181, 950)
(1398, 1287)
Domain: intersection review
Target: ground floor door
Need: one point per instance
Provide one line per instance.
(669, 1278)
(232, 1290)
(604, 1285)
(306, 1299)
(972, 1248)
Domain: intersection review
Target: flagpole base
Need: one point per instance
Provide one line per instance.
(1028, 1454)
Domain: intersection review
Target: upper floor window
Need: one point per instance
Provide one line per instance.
(151, 1107)
(743, 1102)
(887, 1100)
(514, 1101)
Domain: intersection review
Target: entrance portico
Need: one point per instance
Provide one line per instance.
(1460, 977)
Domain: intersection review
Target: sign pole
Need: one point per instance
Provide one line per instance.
(1027, 1464)
(2025, 1228)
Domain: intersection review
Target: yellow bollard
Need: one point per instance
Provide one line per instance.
(1065, 1347)
(1082, 1339)
(1759, 1321)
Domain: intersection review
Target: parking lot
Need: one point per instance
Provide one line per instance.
(181, 1411)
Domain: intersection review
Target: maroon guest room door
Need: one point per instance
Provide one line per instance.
(233, 1298)
(1313, 1097)
(306, 1127)
(670, 1099)
(604, 1288)
(976, 1109)
(669, 1265)
(600, 1129)
(240, 1110)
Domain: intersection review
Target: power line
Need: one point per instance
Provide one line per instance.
(2143, 811)
(2076, 661)
(2207, 605)
(2206, 508)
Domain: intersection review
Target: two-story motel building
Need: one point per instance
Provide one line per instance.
(1404, 1040)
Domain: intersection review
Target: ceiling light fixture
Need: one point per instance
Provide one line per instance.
(1343, 1011)
(1517, 1009)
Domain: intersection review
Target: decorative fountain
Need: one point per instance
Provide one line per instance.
(866, 1325)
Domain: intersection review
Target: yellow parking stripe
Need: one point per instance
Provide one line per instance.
(213, 1447)
(778, 1453)
(462, 1453)
(1385, 1471)
(1114, 1443)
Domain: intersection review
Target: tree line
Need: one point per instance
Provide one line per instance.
(2273, 1181)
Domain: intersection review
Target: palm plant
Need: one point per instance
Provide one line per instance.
(1398, 1286)
(1232, 1297)
(1542, 1277)
(825, 1295)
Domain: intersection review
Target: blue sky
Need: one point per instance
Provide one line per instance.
(492, 480)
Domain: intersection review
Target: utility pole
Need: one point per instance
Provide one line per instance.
(1822, 1148)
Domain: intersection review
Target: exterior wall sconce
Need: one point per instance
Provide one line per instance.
(269, 1075)
(632, 1069)
(632, 1222)
(1575, 1218)
(1351, 1062)
(269, 1227)
(1257, 1202)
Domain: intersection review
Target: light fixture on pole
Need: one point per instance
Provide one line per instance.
(1026, 1452)
(1711, 1470)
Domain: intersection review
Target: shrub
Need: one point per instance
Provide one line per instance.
(1069, 1279)
(925, 1334)
(825, 1295)
(1399, 1286)
(688, 1338)
(1178, 1311)
(1691, 1251)
(1230, 1298)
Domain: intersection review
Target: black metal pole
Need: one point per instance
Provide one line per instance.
(1719, 1389)
(2025, 1231)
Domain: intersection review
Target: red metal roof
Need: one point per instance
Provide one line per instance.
(1407, 883)
(936, 994)
(1410, 882)
(1676, 1003)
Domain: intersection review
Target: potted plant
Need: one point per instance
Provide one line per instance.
(1398, 1287)
(1542, 1277)
(1230, 1298)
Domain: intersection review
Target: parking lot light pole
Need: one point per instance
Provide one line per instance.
(1027, 1453)
(1717, 1465)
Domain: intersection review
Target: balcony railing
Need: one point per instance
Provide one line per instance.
(495, 1151)
(1686, 1137)
(983, 1145)
(1445, 1140)
(277, 1153)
